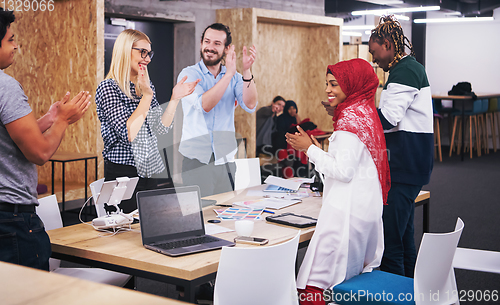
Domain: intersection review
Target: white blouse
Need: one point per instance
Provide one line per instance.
(348, 239)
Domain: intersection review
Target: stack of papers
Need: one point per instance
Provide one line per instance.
(267, 203)
(277, 184)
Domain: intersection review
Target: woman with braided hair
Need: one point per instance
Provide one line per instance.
(405, 111)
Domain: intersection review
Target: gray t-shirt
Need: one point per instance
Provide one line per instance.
(18, 176)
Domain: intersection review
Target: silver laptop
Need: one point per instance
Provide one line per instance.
(172, 222)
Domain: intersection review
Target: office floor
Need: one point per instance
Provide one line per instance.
(468, 189)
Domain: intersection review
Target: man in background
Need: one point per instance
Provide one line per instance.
(24, 143)
(266, 120)
(405, 111)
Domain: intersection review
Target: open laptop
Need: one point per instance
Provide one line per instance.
(172, 222)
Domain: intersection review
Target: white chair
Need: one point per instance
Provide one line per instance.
(247, 173)
(48, 211)
(434, 281)
(477, 260)
(257, 275)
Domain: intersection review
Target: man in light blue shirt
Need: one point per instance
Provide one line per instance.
(208, 141)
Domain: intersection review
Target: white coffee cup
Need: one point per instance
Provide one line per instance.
(244, 227)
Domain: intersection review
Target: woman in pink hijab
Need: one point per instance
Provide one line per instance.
(348, 239)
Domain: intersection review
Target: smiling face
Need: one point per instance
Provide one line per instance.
(278, 106)
(212, 48)
(383, 54)
(136, 58)
(335, 93)
(8, 49)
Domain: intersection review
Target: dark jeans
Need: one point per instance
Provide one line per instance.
(212, 179)
(400, 253)
(114, 170)
(23, 240)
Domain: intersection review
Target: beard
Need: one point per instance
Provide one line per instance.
(212, 62)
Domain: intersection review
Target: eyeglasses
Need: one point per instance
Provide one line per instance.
(145, 53)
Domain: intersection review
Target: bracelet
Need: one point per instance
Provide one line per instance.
(246, 80)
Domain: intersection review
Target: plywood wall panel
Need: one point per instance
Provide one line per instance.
(350, 51)
(242, 23)
(58, 53)
(324, 50)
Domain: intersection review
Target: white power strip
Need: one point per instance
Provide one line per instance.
(112, 221)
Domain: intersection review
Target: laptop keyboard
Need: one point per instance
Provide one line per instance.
(187, 242)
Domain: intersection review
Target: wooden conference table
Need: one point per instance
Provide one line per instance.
(23, 285)
(125, 253)
(463, 99)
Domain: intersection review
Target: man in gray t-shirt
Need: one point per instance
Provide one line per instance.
(24, 142)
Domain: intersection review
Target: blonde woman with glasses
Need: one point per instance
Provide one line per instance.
(131, 116)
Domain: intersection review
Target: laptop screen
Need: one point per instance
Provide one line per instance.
(170, 213)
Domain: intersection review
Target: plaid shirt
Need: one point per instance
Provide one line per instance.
(114, 108)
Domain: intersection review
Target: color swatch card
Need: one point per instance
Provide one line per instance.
(238, 213)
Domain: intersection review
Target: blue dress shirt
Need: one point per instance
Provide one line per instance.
(206, 132)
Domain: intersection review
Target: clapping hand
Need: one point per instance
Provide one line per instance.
(73, 110)
(300, 140)
(249, 59)
(143, 80)
(231, 61)
(183, 89)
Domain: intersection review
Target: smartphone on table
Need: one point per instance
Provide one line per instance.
(251, 240)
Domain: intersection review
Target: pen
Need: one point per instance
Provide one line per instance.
(224, 205)
(267, 211)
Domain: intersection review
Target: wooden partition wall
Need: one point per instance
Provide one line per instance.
(62, 50)
(293, 53)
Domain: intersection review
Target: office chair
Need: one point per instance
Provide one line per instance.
(434, 281)
(257, 275)
(48, 211)
(470, 116)
(247, 173)
(492, 114)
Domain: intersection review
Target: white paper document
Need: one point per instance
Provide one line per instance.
(285, 183)
(298, 195)
(212, 229)
(267, 203)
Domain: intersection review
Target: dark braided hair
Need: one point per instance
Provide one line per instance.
(390, 28)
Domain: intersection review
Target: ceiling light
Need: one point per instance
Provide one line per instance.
(449, 20)
(358, 27)
(402, 17)
(453, 14)
(351, 33)
(385, 2)
(396, 10)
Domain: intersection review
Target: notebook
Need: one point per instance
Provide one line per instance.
(172, 222)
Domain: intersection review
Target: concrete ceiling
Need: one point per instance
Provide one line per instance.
(467, 8)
